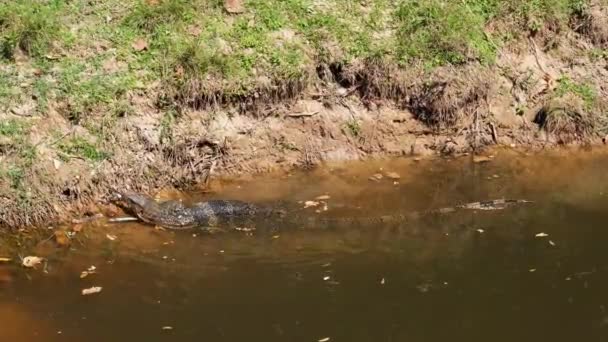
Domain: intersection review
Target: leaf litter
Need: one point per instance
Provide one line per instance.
(91, 290)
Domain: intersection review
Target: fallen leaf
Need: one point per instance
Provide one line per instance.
(322, 198)
(167, 327)
(481, 159)
(532, 270)
(92, 290)
(234, 6)
(62, 238)
(480, 230)
(325, 339)
(111, 237)
(382, 282)
(326, 278)
(140, 45)
(194, 30)
(542, 235)
(551, 243)
(4, 259)
(31, 261)
(376, 177)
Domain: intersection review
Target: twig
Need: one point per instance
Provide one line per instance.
(304, 114)
(494, 134)
(123, 219)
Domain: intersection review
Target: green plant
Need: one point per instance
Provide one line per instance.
(78, 146)
(585, 91)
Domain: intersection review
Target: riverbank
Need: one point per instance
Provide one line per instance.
(157, 95)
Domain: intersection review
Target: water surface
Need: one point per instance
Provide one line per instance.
(465, 276)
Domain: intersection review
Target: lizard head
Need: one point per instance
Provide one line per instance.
(131, 201)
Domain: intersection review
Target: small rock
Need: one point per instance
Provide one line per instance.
(57, 164)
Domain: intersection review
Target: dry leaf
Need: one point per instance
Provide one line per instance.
(140, 45)
(92, 290)
(194, 30)
(234, 6)
(61, 238)
(111, 237)
(309, 204)
(551, 243)
(542, 235)
(392, 175)
(325, 339)
(4, 259)
(376, 177)
(31, 261)
(322, 198)
(167, 327)
(480, 230)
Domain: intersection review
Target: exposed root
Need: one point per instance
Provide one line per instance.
(566, 119)
(449, 96)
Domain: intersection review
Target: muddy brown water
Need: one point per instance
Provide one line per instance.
(464, 276)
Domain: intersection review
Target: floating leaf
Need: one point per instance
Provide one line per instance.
(92, 290)
(542, 235)
(31, 261)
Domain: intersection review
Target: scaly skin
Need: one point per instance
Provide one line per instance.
(222, 213)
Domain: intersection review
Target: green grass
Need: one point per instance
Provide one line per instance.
(585, 91)
(12, 128)
(80, 147)
(196, 50)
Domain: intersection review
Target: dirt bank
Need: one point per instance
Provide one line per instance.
(546, 86)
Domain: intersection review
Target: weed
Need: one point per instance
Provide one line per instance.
(80, 147)
(585, 91)
(354, 127)
(29, 26)
(12, 128)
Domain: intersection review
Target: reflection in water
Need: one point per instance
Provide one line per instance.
(465, 276)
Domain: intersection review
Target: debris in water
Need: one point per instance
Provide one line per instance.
(61, 238)
(324, 339)
(5, 259)
(309, 204)
(481, 159)
(123, 219)
(322, 198)
(551, 243)
(532, 270)
(392, 175)
(92, 290)
(326, 278)
(86, 273)
(480, 231)
(167, 327)
(376, 177)
(276, 236)
(542, 235)
(111, 237)
(383, 281)
(31, 261)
